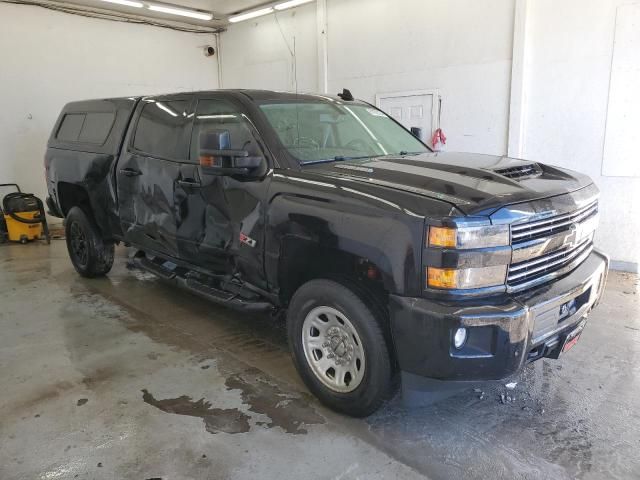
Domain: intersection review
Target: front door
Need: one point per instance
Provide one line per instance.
(221, 223)
(148, 171)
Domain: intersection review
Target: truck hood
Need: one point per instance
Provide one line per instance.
(476, 184)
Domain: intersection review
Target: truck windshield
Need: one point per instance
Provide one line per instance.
(315, 132)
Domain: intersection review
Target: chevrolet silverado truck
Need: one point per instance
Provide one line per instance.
(391, 261)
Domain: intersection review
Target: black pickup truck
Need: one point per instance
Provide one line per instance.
(390, 260)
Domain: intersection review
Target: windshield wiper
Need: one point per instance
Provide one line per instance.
(401, 153)
(337, 158)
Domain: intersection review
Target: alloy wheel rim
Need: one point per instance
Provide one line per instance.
(333, 349)
(79, 245)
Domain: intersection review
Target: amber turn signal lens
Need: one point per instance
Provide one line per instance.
(442, 277)
(207, 161)
(442, 237)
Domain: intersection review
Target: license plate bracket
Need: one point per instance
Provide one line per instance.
(572, 337)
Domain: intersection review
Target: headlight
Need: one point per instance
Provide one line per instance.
(484, 236)
(467, 254)
(466, 278)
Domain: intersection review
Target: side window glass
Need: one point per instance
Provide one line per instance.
(70, 127)
(96, 127)
(222, 115)
(89, 127)
(162, 129)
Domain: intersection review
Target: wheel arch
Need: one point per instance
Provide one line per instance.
(73, 195)
(302, 260)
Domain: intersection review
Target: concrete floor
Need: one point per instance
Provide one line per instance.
(124, 378)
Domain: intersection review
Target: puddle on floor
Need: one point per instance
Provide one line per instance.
(216, 420)
(289, 411)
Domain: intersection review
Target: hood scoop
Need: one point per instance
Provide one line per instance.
(520, 171)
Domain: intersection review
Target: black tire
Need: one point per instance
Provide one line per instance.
(377, 382)
(90, 254)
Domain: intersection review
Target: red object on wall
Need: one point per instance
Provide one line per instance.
(438, 137)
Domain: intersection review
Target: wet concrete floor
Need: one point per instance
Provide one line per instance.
(126, 378)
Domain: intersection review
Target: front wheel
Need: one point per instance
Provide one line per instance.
(339, 348)
(90, 254)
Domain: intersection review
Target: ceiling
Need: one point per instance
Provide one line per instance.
(221, 9)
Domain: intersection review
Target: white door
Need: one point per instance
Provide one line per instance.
(411, 109)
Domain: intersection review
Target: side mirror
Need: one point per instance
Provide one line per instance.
(216, 156)
(215, 140)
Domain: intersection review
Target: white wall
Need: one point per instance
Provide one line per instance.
(49, 58)
(258, 54)
(569, 65)
(464, 49)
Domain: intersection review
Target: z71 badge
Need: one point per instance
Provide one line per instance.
(247, 240)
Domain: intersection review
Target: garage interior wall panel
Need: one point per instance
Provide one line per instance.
(623, 116)
(567, 103)
(259, 53)
(50, 58)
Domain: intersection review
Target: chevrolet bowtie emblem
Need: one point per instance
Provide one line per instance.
(572, 236)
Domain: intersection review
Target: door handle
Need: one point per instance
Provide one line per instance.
(130, 172)
(188, 184)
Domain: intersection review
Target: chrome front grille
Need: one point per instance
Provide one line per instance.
(552, 225)
(548, 247)
(552, 262)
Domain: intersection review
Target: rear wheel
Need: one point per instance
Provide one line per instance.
(90, 254)
(339, 348)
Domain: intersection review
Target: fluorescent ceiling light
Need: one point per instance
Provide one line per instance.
(248, 15)
(181, 11)
(290, 4)
(128, 3)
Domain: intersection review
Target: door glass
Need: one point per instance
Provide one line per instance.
(223, 115)
(162, 129)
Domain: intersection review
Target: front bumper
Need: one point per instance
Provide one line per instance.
(504, 333)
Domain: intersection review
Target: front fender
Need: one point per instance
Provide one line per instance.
(322, 224)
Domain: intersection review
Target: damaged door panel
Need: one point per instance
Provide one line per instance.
(149, 170)
(221, 221)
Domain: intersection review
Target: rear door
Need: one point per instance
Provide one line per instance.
(149, 169)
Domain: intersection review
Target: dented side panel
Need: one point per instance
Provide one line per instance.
(88, 172)
(85, 171)
(147, 203)
(220, 224)
(147, 184)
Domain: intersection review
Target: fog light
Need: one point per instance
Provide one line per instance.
(459, 338)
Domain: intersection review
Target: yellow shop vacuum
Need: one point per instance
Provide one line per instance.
(22, 216)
